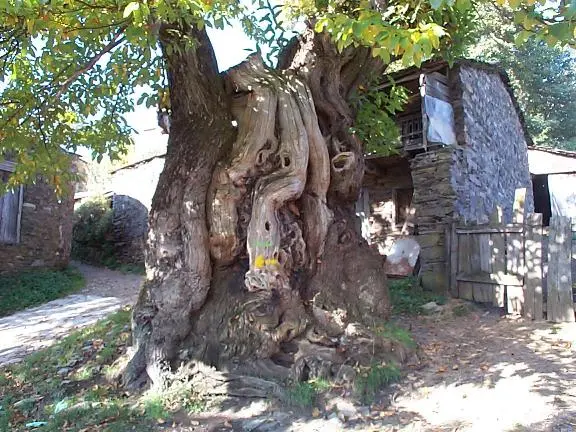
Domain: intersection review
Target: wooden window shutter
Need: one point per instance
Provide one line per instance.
(10, 213)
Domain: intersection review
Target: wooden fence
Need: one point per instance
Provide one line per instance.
(503, 264)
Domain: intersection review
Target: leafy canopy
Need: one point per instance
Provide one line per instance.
(542, 74)
(70, 68)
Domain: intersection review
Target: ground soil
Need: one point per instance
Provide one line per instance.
(480, 371)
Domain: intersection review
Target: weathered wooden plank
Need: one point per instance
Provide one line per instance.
(565, 272)
(533, 307)
(475, 267)
(437, 90)
(519, 205)
(498, 255)
(560, 302)
(515, 266)
(437, 76)
(424, 115)
(19, 220)
(483, 229)
(497, 217)
(465, 290)
(490, 278)
(453, 260)
(552, 297)
(484, 293)
(515, 300)
(498, 266)
(9, 209)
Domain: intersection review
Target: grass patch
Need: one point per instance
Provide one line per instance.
(374, 378)
(304, 394)
(30, 288)
(407, 296)
(113, 264)
(461, 310)
(396, 333)
(64, 386)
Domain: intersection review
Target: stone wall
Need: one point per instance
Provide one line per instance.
(434, 195)
(134, 188)
(45, 231)
(491, 159)
(433, 205)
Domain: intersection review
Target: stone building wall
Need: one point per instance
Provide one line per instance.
(491, 159)
(434, 195)
(467, 180)
(134, 188)
(433, 206)
(45, 231)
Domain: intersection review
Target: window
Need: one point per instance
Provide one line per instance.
(10, 208)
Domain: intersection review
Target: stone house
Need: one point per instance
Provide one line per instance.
(464, 152)
(35, 224)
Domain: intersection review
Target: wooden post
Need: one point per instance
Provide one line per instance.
(465, 289)
(497, 216)
(453, 259)
(560, 301)
(498, 259)
(519, 205)
(423, 111)
(515, 256)
(533, 308)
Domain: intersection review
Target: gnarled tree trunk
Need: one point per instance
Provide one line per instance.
(254, 262)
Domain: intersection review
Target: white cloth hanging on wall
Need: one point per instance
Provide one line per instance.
(562, 189)
(440, 121)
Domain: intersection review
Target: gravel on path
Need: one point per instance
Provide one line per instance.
(32, 329)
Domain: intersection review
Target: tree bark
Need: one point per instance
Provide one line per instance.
(254, 261)
(178, 261)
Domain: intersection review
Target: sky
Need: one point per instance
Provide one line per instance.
(230, 46)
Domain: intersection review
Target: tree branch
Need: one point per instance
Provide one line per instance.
(90, 64)
(116, 41)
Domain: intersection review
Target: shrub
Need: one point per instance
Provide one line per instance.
(92, 236)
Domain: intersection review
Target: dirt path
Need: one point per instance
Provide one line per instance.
(487, 373)
(38, 327)
(103, 282)
(480, 373)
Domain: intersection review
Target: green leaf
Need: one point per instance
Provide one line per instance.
(561, 31)
(522, 37)
(130, 8)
